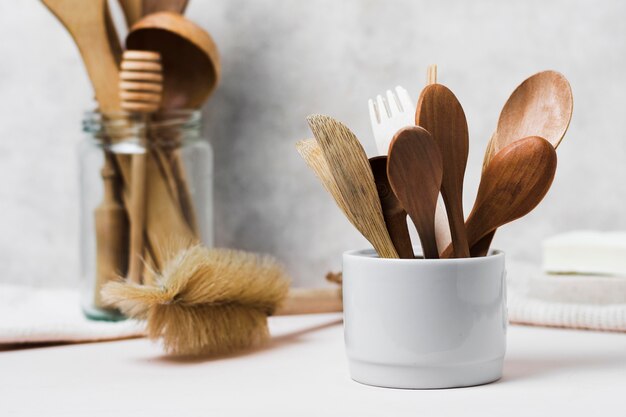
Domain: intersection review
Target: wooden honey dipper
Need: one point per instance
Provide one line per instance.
(141, 85)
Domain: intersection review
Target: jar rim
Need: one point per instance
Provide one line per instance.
(96, 122)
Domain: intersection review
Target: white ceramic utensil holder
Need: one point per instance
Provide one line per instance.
(424, 323)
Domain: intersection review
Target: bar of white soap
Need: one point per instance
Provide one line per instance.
(586, 252)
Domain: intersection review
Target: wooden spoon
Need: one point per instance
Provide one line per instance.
(393, 212)
(350, 168)
(542, 105)
(514, 182)
(191, 63)
(191, 71)
(442, 225)
(440, 113)
(415, 171)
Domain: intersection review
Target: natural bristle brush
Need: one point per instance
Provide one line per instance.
(216, 301)
(141, 85)
(201, 301)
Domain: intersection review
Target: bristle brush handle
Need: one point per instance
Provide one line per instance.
(311, 301)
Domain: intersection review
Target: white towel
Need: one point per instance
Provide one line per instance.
(37, 315)
(574, 301)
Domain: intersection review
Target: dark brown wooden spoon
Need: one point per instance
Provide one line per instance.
(439, 112)
(415, 169)
(513, 184)
(393, 212)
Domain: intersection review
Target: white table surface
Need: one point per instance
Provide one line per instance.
(303, 372)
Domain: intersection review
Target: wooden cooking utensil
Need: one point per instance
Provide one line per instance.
(86, 23)
(191, 69)
(442, 225)
(132, 11)
(141, 82)
(415, 171)
(114, 40)
(350, 168)
(440, 113)
(140, 92)
(393, 212)
(312, 154)
(542, 105)
(514, 182)
(191, 63)
(431, 75)
(154, 6)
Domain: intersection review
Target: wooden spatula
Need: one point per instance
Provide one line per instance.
(312, 154)
(86, 23)
(351, 171)
(415, 170)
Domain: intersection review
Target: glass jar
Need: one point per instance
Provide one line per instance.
(145, 187)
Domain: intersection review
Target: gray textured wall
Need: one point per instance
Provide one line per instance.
(285, 59)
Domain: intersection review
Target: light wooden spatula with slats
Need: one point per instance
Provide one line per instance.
(350, 169)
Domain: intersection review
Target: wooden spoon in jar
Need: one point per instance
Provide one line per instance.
(191, 63)
(415, 170)
(191, 71)
(542, 105)
(513, 184)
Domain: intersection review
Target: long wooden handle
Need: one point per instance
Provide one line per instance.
(481, 248)
(136, 213)
(311, 301)
(167, 230)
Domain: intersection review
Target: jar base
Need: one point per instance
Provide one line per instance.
(426, 377)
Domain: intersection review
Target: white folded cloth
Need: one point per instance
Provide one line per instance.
(43, 315)
(573, 301)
